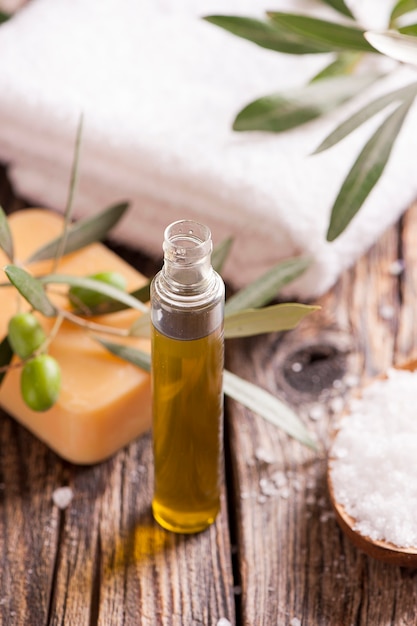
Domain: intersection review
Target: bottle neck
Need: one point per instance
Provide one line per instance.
(187, 256)
(187, 295)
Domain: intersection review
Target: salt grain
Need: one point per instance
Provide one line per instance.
(62, 497)
(316, 412)
(337, 404)
(279, 478)
(396, 267)
(267, 487)
(386, 311)
(264, 456)
(351, 380)
(284, 493)
(374, 469)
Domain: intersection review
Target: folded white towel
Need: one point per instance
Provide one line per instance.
(159, 88)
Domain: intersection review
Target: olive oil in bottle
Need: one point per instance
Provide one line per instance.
(187, 302)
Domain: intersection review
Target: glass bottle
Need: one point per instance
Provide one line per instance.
(187, 309)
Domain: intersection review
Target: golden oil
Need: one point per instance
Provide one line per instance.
(187, 430)
(187, 299)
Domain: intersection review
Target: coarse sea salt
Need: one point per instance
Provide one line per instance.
(62, 497)
(373, 468)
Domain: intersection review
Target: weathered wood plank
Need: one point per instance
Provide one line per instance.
(116, 566)
(29, 525)
(103, 560)
(294, 560)
(163, 578)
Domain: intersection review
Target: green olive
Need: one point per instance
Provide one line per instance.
(91, 298)
(40, 382)
(25, 334)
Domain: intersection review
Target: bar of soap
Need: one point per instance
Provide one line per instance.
(105, 402)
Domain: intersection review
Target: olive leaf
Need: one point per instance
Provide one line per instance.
(284, 110)
(4, 17)
(410, 29)
(401, 8)
(6, 239)
(142, 326)
(365, 113)
(82, 233)
(31, 289)
(275, 318)
(344, 63)
(366, 171)
(127, 353)
(264, 289)
(340, 6)
(96, 285)
(6, 354)
(266, 34)
(267, 406)
(113, 306)
(143, 293)
(395, 45)
(252, 397)
(220, 254)
(335, 36)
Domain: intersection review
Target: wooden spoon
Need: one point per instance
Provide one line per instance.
(381, 550)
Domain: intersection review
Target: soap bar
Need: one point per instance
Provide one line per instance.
(104, 402)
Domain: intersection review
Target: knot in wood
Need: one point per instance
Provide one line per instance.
(314, 368)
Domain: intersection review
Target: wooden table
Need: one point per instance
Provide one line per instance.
(275, 554)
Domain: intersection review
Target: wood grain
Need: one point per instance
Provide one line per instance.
(294, 560)
(276, 551)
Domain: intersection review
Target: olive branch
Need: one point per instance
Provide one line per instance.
(339, 82)
(248, 312)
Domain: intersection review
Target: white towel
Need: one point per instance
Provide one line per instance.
(159, 88)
